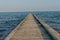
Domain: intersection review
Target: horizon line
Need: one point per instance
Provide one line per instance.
(25, 11)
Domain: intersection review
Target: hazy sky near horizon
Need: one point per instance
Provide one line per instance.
(29, 5)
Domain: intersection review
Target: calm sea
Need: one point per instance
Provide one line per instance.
(9, 20)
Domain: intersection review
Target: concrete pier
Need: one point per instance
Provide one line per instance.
(29, 29)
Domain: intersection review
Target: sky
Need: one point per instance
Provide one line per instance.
(29, 5)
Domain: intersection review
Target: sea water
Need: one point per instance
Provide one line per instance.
(9, 20)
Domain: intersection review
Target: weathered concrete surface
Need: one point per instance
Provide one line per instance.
(27, 30)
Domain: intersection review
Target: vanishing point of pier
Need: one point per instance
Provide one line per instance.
(32, 28)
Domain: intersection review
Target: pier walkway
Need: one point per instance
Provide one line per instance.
(32, 28)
